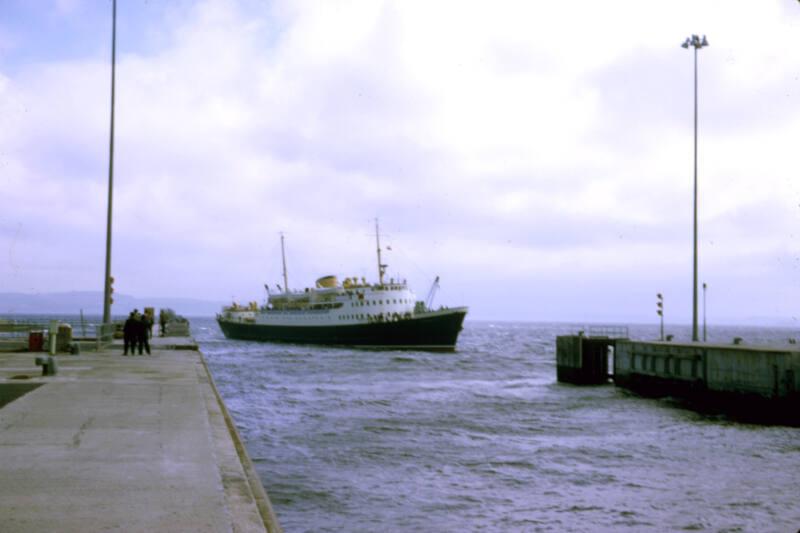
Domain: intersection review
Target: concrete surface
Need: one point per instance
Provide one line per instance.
(117, 443)
(764, 371)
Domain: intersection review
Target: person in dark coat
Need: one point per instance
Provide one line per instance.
(141, 335)
(129, 334)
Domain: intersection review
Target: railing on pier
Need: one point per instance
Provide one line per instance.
(17, 332)
(80, 328)
(104, 334)
(611, 332)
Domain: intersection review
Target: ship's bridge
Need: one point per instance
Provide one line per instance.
(385, 299)
(354, 298)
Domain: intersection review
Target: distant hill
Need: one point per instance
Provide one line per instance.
(91, 303)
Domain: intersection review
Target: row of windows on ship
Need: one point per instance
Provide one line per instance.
(380, 302)
(388, 317)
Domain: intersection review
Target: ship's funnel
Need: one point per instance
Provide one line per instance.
(327, 282)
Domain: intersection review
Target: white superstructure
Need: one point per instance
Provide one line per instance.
(331, 303)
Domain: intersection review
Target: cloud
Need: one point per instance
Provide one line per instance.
(65, 7)
(518, 147)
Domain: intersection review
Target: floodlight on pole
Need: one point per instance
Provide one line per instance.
(697, 43)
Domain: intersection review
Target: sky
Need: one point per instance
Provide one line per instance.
(537, 156)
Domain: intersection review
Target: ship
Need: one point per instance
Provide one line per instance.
(353, 313)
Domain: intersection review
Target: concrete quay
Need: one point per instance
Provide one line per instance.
(113, 443)
(759, 383)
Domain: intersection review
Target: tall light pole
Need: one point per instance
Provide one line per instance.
(107, 281)
(697, 43)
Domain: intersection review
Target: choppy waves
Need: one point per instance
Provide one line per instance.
(485, 439)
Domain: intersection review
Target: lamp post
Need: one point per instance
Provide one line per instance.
(108, 278)
(660, 312)
(697, 43)
(704, 311)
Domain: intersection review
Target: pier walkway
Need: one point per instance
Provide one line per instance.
(759, 383)
(125, 444)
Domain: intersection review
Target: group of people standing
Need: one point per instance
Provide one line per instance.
(136, 333)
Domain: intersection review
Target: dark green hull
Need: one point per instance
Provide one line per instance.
(430, 331)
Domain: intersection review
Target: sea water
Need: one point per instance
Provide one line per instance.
(485, 439)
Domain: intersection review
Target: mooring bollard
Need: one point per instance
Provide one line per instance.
(48, 364)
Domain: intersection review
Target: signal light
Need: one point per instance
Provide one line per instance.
(660, 312)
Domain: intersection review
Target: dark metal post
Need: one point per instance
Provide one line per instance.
(660, 312)
(694, 283)
(107, 281)
(704, 311)
(695, 42)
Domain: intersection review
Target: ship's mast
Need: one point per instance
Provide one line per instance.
(285, 275)
(381, 266)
